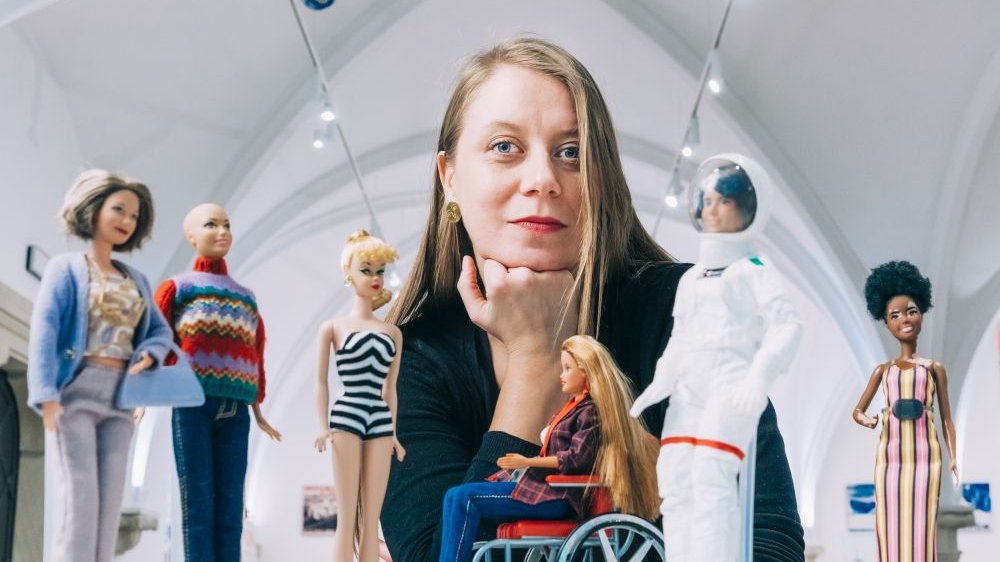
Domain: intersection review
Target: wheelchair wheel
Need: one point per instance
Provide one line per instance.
(613, 537)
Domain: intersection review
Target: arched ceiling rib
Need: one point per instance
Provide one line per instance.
(251, 157)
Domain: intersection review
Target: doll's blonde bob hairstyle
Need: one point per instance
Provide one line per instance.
(614, 241)
(85, 198)
(365, 247)
(626, 454)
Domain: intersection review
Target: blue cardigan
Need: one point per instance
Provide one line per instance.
(59, 325)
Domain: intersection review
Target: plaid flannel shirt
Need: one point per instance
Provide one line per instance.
(574, 441)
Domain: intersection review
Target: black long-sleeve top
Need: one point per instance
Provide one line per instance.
(447, 394)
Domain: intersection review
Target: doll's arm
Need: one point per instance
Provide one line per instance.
(664, 381)
(859, 415)
(326, 332)
(164, 298)
(258, 416)
(514, 461)
(52, 303)
(950, 440)
(261, 376)
(783, 330)
(389, 391)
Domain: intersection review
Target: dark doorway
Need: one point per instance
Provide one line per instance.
(10, 456)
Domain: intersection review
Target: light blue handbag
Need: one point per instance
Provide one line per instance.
(161, 385)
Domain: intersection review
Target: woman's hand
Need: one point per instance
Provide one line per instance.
(522, 308)
(322, 440)
(527, 314)
(145, 361)
(861, 419)
(398, 449)
(513, 461)
(52, 410)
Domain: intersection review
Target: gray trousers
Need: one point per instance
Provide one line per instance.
(94, 439)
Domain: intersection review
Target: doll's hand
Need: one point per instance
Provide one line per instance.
(51, 412)
(512, 461)
(270, 431)
(639, 406)
(521, 306)
(138, 414)
(145, 361)
(748, 397)
(862, 419)
(322, 440)
(397, 447)
(953, 467)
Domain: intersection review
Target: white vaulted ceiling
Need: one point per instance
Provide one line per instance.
(880, 121)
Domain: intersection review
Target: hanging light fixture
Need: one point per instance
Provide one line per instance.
(326, 114)
(716, 81)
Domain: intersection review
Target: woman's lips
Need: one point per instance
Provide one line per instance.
(121, 231)
(539, 224)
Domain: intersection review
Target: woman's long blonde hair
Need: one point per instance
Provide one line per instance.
(614, 241)
(626, 456)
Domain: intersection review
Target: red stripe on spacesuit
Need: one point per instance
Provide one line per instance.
(726, 447)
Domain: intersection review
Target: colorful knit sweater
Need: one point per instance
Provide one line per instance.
(216, 322)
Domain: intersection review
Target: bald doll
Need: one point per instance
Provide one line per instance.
(217, 324)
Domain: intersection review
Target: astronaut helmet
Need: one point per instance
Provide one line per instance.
(730, 197)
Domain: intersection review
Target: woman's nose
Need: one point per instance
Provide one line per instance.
(540, 175)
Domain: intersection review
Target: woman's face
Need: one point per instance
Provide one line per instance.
(572, 377)
(118, 218)
(367, 277)
(515, 171)
(903, 318)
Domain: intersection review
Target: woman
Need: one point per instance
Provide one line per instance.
(90, 321)
(908, 459)
(591, 434)
(530, 196)
(361, 424)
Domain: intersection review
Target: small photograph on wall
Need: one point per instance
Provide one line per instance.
(978, 495)
(861, 507)
(319, 510)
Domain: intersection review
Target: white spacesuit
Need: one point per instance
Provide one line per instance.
(734, 331)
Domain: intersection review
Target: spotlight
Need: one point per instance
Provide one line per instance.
(319, 139)
(671, 201)
(716, 82)
(687, 151)
(327, 113)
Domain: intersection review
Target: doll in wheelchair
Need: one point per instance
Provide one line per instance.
(558, 505)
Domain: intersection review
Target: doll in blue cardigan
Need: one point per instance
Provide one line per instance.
(90, 320)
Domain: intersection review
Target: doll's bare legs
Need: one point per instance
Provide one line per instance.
(375, 460)
(346, 449)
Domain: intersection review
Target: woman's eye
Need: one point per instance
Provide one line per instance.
(571, 152)
(503, 147)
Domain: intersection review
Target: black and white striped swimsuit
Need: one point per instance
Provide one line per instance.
(363, 365)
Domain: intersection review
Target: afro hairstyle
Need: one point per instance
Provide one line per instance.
(893, 279)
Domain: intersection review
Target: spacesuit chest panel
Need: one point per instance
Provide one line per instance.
(716, 311)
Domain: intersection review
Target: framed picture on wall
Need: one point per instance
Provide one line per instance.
(861, 507)
(978, 494)
(319, 510)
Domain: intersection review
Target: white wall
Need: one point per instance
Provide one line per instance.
(39, 156)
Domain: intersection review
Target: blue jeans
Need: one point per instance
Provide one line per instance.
(466, 504)
(210, 447)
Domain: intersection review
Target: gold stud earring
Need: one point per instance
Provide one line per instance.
(452, 212)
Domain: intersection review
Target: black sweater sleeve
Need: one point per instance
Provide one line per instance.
(445, 405)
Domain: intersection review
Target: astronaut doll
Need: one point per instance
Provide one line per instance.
(734, 331)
